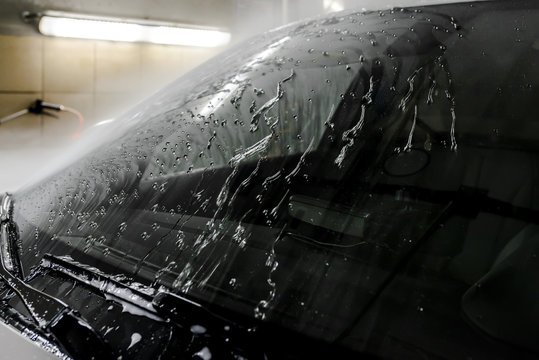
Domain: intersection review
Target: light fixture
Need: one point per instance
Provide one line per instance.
(333, 5)
(53, 23)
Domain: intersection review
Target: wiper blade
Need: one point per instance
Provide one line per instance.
(128, 295)
(69, 329)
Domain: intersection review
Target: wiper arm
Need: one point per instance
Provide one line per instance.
(136, 295)
(74, 334)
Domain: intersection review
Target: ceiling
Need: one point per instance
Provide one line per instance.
(215, 13)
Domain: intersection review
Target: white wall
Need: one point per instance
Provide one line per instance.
(99, 79)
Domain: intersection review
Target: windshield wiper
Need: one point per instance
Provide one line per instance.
(133, 294)
(74, 335)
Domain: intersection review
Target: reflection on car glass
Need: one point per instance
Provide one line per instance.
(366, 180)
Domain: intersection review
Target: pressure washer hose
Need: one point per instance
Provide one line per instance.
(38, 107)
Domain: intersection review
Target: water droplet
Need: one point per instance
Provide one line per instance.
(135, 338)
(198, 329)
(204, 354)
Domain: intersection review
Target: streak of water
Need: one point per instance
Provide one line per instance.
(270, 103)
(408, 146)
(350, 135)
(411, 81)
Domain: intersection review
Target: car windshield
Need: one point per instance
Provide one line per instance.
(305, 176)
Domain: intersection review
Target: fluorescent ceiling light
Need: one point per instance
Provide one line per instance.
(333, 5)
(130, 30)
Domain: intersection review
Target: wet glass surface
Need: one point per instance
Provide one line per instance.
(355, 178)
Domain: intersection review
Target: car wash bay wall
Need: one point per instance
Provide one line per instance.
(99, 79)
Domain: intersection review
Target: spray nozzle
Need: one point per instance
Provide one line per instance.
(38, 107)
